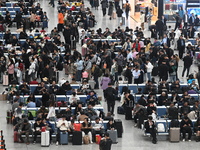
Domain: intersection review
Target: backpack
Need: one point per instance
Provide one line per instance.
(100, 72)
(174, 124)
(161, 127)
(98, 60)
(30, 116)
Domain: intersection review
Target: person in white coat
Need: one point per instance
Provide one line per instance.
(177, 35)
(52, 113)
(142, 20)
(31, 70)
(149, 68)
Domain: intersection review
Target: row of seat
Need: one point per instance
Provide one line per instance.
(134, 87)
(64, 98)
(12, 4)
(167, 124)
(138, 96)
(17, 34)
(54, 127)
(25, 110)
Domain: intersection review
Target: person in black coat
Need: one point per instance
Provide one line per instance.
(191, 31)
(181, 46)
(129, 74)
(178, 21)
(163, 70)
(110, 94)
(66, 34)
(150, 127)
(110, 124)
(18, 19)
(159, 28)
(187, 63)
(186, 127)
(185, 20)
(119, 13)
(192, 20)
(196, 21)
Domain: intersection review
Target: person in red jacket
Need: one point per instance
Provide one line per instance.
(136, 45)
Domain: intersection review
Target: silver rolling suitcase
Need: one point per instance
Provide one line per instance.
(45, 139)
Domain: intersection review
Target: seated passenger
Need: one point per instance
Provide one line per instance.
(194, 86)
(151, 108)
(37, 128)
(53, 88)
(162, 99)
(31, 98)
(175, 87)
(25, 128)
(24, 89)
(186, 127)
(111, 125)
(150, 127)
(63, 126)
(74, 99)
(172, 111)
(31, 104)
(86, 128)
(92, 98)
(97, 128)
(185, 109)
(85, 87)
(163, 86)
(90, 112)
(175, 98)
(191, 91)
(185, 98)
(150, 88)
(142, 101)
(42, 112)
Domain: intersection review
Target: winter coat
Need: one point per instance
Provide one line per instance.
(104, 82)
(110, 9)
(96, 3)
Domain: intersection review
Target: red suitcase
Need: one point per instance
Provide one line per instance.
(16, 136)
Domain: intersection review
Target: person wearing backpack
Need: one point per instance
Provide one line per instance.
(150, 128)
(96, 73)
(127, 8)
(110, 94)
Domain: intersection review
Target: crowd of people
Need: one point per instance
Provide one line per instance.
(129, 58)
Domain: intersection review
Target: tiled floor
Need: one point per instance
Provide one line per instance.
(132, 137)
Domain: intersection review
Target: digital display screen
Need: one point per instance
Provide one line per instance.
(196, 11)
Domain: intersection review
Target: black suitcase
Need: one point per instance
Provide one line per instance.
(77, 138)
(120, 110)
(119, 127)
(128, 113)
